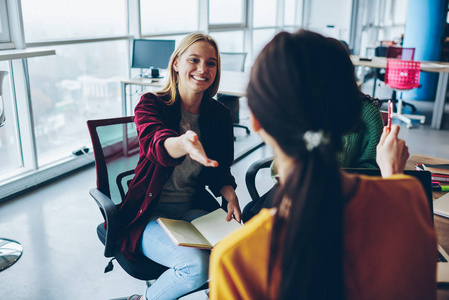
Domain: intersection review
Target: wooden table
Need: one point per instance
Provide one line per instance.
(419, 159)
(442, 68)
(441, 224)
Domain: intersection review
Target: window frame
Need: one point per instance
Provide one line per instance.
(4, 34)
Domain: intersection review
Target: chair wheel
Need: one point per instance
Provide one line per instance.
(409, 125)
(248, 131)
(422, 121)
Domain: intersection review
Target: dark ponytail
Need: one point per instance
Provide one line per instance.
(309, 239)
(305, 83)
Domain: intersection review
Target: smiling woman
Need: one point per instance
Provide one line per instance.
(186, 142)
(197, 69)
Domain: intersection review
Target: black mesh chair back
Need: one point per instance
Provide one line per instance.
(116, 151)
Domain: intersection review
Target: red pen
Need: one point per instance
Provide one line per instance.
(390, 111)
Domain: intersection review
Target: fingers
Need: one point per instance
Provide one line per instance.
(229, 216)
(211, 163)
(384, 135)
(191, 136)
(394, 130)
(238, 215)
(195, 150)
(233, 212)
(388, 133)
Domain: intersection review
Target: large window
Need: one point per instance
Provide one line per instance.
(334, 21)
(168, 16)
(229, 41)
(67, 19)
(290, 12)
(49, 98)
(226, 12)
(77, 84)
(260, 38)
(4, 28)
(264, 13)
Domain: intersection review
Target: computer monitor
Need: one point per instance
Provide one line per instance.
(152, 55)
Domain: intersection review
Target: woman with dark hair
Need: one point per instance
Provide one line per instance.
(186, 143)
(332, 235)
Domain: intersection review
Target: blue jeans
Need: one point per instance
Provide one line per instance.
(188, 267)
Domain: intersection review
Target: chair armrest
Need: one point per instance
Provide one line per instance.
(250, 177)
(109, 211)
(119, 179)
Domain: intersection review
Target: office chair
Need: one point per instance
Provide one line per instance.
(233, 61)
(398, 53)
(257, 201)
(116, 150)
(403, 75)
(254, 168)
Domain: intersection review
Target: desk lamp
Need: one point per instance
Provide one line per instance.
(2, 104)
(10, 251)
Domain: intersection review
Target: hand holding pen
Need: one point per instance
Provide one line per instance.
(390, 112)
(392, 152)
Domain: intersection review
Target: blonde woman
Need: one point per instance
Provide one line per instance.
(186, 144)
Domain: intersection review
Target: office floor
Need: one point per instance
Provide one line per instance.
(56, 223)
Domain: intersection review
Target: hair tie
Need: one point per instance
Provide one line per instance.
(315, 138)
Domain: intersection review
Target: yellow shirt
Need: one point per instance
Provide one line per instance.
(390, 247)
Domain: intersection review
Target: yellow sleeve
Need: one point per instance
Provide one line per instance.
(239, 263)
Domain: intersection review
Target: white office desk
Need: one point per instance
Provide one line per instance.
(426, 66)
(231, 83)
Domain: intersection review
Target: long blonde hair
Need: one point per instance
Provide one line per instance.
(171, 88)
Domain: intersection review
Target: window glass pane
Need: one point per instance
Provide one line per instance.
(400, 11)
(64, 19)
(290, 29)
(260, 38)
(4, 31)
(10, 158)
(169, 16)
(229, 41)
(264, 13)
(225, 12)
(334, 21)
(289, 12)
(77, 84)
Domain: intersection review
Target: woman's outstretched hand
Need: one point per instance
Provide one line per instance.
(195, 149)
(392, 152)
